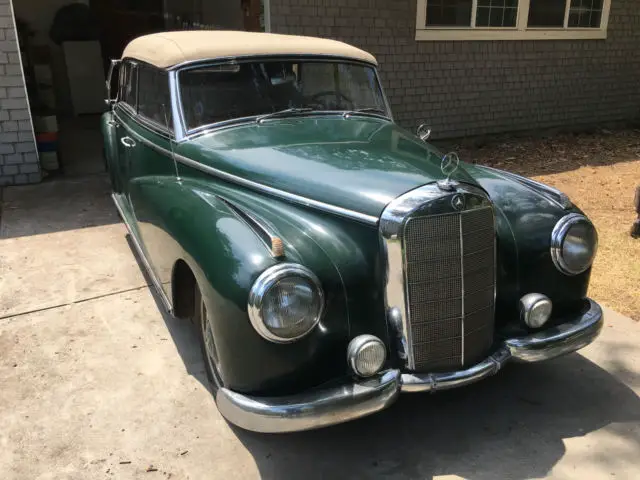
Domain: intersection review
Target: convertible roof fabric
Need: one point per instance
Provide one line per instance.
(168, 49)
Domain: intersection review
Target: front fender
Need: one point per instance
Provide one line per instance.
(192, 221)
(525, 218)
(349, 249)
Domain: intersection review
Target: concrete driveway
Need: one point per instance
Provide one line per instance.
(95, 382)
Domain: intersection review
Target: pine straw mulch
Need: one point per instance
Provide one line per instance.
(599, 171)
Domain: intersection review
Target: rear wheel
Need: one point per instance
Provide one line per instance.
(204, 323)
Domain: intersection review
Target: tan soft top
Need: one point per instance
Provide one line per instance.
(166, 49)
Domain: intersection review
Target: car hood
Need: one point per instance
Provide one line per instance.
(356, 163)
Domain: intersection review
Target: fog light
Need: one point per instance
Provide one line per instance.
(366, 355)
(535, 309)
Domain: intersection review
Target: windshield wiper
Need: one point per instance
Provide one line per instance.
(284, 113)
(375, 111)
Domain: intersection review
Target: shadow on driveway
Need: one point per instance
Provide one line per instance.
(184, 333)
(511, 426)
(55, 206)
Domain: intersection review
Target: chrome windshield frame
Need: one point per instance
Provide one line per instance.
(182, 133)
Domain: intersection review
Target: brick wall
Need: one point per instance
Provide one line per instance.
(18, 157)
(472, 88)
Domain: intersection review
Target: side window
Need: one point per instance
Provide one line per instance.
(129, 84)
(154, 101)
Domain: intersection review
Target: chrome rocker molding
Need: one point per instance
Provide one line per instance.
(321, 408)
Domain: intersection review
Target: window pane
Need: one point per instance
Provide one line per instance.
(129, 84)
(482, 16)
(585, 13)
(496, 16)
(547, 13)
(154, 101)
(213, 94)
(510, 16)
(451, 13)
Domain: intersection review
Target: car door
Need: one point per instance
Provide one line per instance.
(152, 170)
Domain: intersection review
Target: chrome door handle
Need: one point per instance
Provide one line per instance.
(128, 142)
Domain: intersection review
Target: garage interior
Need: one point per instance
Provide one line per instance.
(66, 48)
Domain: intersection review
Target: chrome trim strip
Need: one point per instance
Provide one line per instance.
(253, 119)
(127, 109)
(344, 212)
(179, 125)
(265, 233)
(245, 121)
(144, 122)
(355, 399)
(279, 193)
(178, 128)
(145, 262)
(141, 139)
(310, 410)
(427, 200)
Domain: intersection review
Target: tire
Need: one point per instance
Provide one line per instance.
(210, 357)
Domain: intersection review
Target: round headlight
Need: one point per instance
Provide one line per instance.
(574, 242)
(366, 355)
(285, 303)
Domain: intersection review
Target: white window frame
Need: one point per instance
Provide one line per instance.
(519, 32)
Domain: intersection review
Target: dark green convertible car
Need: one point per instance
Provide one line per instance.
(329, 258)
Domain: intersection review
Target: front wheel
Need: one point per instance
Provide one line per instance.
(203, 322)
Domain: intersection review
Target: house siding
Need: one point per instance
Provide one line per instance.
(468, 88)
(18, 156)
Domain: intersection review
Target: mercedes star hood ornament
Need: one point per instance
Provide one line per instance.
(449, 164)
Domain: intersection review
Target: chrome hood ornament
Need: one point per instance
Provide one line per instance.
(449, 164)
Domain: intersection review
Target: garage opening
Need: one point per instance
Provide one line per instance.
(66, 48)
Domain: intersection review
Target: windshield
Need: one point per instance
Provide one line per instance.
(223, 92)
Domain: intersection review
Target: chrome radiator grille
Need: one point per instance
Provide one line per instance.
(450, 277)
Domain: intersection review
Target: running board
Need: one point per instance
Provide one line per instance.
(126, 218)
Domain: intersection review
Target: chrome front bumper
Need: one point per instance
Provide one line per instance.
(321, 408)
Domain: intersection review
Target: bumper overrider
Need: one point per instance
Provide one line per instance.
(358, 398)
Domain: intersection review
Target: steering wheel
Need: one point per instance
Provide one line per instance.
(319, 95)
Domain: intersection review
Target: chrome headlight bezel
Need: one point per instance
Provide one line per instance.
(558, 236)
(267, 279)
